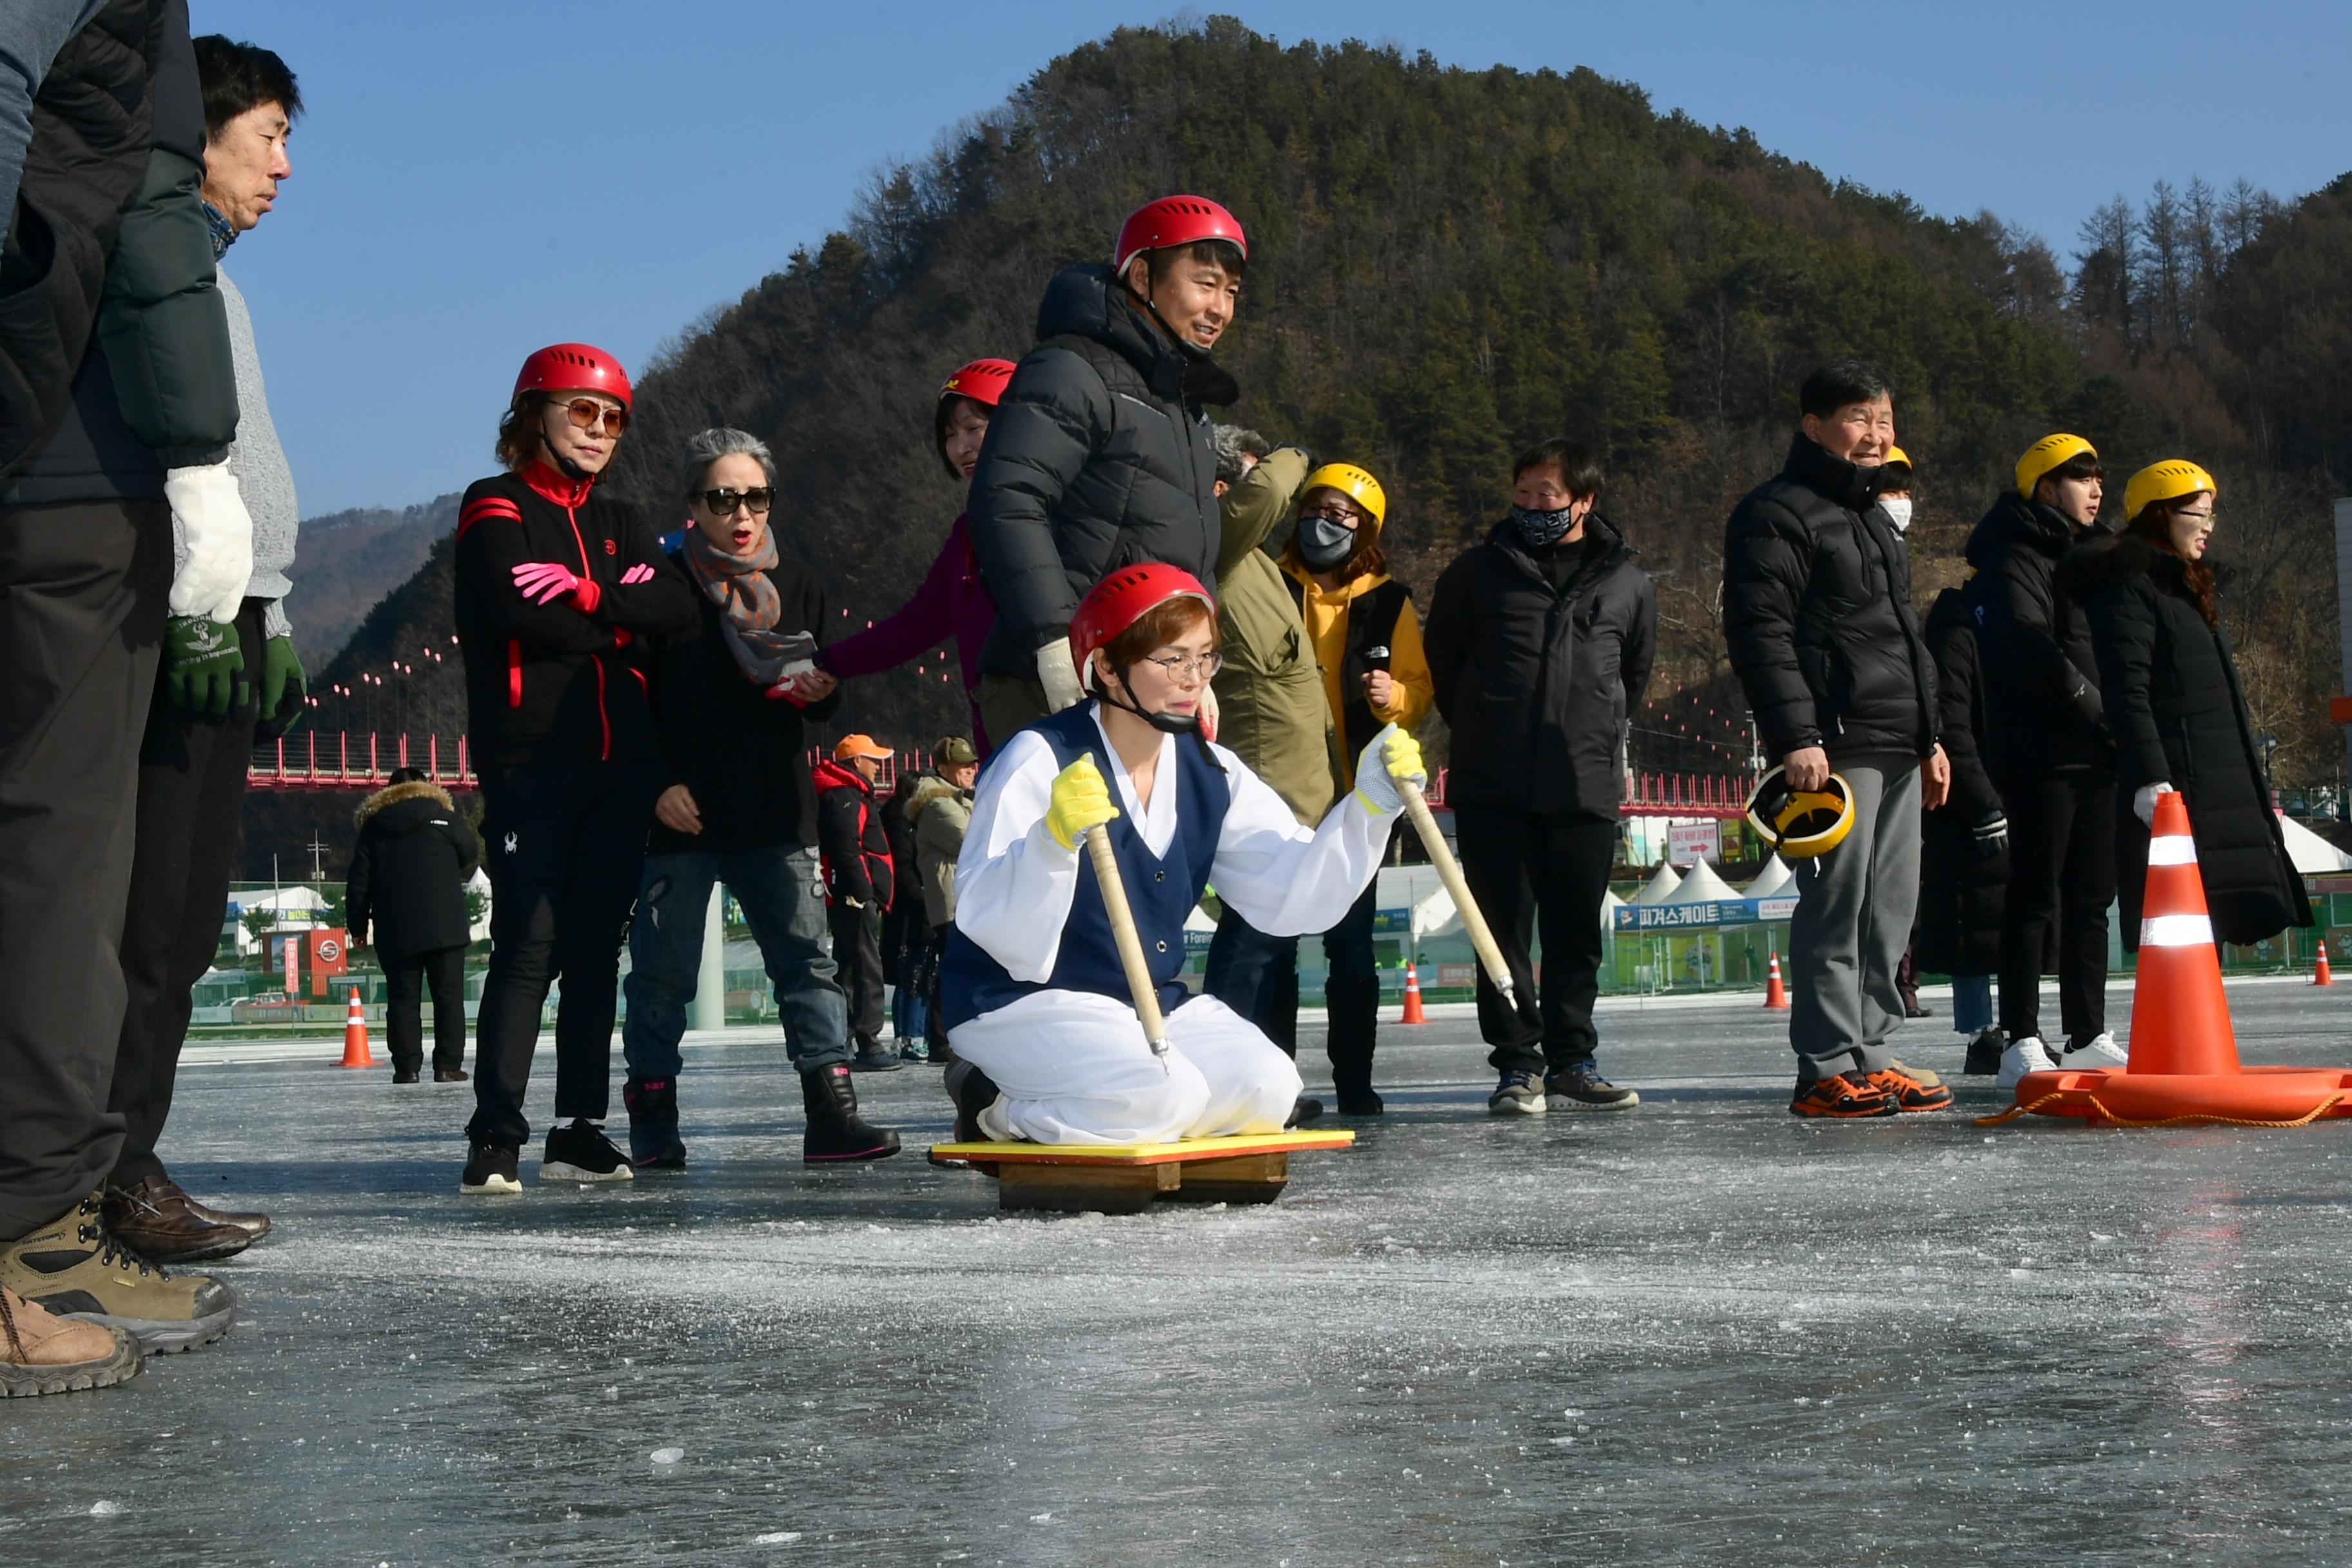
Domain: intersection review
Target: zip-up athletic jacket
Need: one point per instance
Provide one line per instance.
(559, 682)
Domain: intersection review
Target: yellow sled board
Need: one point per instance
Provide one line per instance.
(1126, 1178)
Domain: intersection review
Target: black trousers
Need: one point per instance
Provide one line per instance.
(82, 592)
(404, 1021)
(1544, 874)
(564, 842)
(2061, 866)
(857, 953)
(1257, 976)
(192, 771)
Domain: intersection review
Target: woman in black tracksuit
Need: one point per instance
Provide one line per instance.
(557, 589)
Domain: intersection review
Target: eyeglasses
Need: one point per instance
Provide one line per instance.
(723, 502)
(1182, 670)
(1336, 512)
(586, 411)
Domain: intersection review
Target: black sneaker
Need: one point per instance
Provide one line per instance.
(581, 1152)
(490, 1169)
(1303, 1111)
(1518, 1094)
(404, 1075)
(1583, 1088)
(873, 1056)
(1984, 1054)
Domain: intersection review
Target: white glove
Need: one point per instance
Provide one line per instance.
(2144, 803)
(1057, 672)
(1392, 756)
(218, 534)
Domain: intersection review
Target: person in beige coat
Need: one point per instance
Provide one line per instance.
(941, 809)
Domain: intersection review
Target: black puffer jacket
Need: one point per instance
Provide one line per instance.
(1097, 457)
(1817, 612)
(2042, 707)
(1536, 685)
(1960, 896)
(2170, 684)
(408, 874)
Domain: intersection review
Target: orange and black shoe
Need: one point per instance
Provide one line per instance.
(1842, 1097)
(1909, 1092)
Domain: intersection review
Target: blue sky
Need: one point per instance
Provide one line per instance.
(474, 180)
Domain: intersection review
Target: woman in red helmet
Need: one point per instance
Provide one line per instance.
(556, 587)
(1035, 999)
(952, 604)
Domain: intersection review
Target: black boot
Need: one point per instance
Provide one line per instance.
(654, 1143)
(836, 1131)
(1355, 1009)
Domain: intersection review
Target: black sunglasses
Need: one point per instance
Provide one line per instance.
(723, 502)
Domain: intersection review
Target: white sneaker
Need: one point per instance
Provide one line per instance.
(2022, 1056)
(2099, 1051)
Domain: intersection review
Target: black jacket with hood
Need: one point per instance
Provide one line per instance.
(2042, 709)
(409, 871)
(1961, 893)
(1536, 685)
(1097, 457)
(2170, 684)
(1817, 613)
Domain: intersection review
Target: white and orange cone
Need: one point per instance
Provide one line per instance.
(355, 1040)
(1776, 994)
(1412, 1011)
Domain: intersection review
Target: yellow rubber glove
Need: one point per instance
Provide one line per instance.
(1081, 800)
(1392, 756)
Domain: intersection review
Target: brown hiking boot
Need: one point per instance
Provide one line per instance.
(156, 1220)
(75, 1268)
(1842, 1097)
(1909, 1092)
(43, 1353)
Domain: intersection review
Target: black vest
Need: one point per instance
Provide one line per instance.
(1372, 623)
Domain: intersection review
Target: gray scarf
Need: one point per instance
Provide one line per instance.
(748, 608)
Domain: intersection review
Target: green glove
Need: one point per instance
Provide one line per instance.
(201, 662)
(285, 690)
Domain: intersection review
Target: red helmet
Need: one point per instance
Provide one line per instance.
(983, 381)
(1123, 598)
(573, 367)
(1174, 220)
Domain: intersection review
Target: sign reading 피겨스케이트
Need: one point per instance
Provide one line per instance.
(1714, 913)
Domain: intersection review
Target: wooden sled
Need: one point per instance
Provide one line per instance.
(1127, 1178)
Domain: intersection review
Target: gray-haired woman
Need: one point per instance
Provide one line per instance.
(730, 699)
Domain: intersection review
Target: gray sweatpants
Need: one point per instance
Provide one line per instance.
(1853, 923)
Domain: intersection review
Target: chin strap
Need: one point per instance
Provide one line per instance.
(1166, 723)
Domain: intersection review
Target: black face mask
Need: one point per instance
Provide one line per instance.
(1540, 529)
(1323, 544)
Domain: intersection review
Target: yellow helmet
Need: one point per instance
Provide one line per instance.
(2046, 454)
(2168, 480)
(1800, 823)
(1355, 484)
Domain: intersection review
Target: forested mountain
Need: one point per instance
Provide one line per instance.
(1448, 263)
(345, 563)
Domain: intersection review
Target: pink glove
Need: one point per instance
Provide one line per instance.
(545, 581)
(640, 572)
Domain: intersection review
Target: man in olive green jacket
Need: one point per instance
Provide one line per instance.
(1271, 707)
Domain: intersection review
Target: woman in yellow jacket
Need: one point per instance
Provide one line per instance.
(1366, 643)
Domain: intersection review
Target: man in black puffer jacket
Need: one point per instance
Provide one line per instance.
(1099, 454)
(2049, 751)
(1817, 612)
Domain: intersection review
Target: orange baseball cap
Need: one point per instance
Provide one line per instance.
(850, 746)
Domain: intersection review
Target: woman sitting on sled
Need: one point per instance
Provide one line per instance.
(1036, 1002)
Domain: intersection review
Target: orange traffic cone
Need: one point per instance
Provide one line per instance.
(1412, 1013)
(2183, 1062)
(2319, 975)
(1775, 995)
(355, 1041)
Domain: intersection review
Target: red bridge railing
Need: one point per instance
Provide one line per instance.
(343, 760)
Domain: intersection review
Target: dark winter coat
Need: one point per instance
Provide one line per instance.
(555, 683)
(114, 348)
(742, 755)
(904, 930)
(1817, 613)
(851, 839)
(1961, 895)
(1097, 457)
(409, 871)
(1536, 685)
(2042, 707)
(2170, 685)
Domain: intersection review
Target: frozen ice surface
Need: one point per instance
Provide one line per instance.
(1701, 1332)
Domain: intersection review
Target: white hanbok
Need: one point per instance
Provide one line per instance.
(1072, 1066)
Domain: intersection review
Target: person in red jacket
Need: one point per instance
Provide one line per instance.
(858, 880)
(557, 587)
(952, 602)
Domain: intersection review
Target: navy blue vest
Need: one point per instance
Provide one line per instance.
(1160, 890)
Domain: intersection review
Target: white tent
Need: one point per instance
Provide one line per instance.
(1773, 881)
(2312, 855)
(1701, 886)
(1662, 885)
(1610, 904)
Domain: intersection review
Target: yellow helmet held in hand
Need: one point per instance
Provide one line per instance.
(2049, 452)
(2168, 480)
(1800, 823)
(1352, 482)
